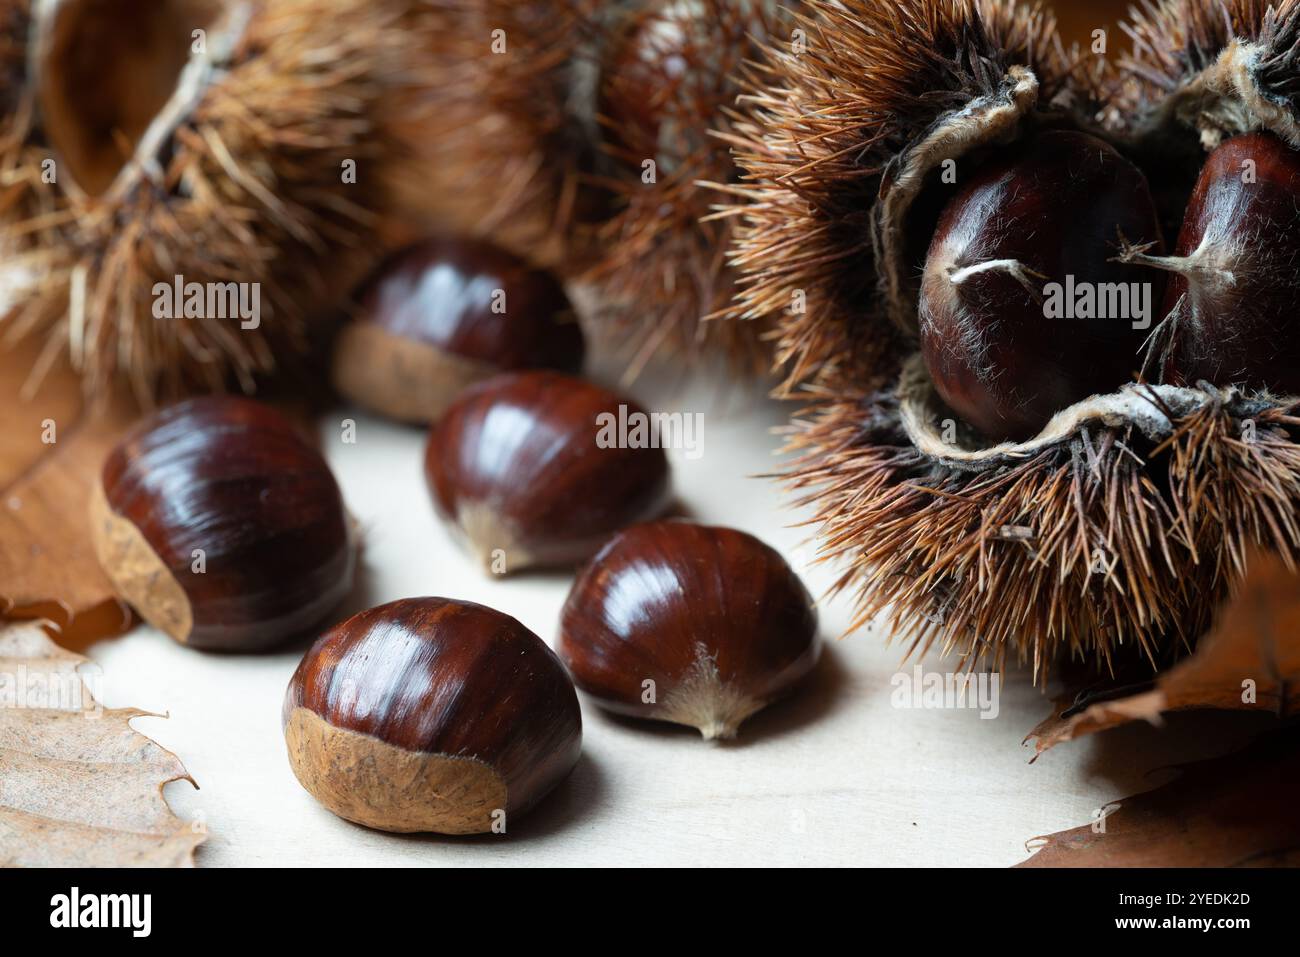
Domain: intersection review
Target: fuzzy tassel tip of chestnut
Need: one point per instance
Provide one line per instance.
(704, 701)
(688, 624)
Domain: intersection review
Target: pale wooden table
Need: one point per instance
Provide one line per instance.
(837, 776)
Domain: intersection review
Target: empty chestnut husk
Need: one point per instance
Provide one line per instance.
(688, 624)
(444, 314)
(521, 467)
(428, 714)
(223, 526)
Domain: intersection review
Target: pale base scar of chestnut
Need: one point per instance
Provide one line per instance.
(704, 701)
(406, 380)
(370, 782)
(136, 570)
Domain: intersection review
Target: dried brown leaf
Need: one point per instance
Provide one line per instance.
(78, 786)
(1233, 811)
(1250, 660)
(47, 565)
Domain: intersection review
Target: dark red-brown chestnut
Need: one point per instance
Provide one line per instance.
(428, 714)
(529, 470)
(223, 526)
(1230, 310)
(688, 624)
(1005, 352)
(444, 314)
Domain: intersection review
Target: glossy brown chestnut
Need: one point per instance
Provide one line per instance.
(522, 466)
(429, 714)
(689, 624)
(1231, 304)
(447, 313)
(222, 526)
(1051, 210)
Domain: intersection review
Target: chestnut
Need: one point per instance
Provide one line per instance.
(429, 714)
(689, 624)
(443, 314)
(1230, 306)
(222, 525)
(523, 467)
(1050, 210)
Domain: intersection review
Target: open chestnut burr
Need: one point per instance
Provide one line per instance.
(1002, 480)
(444, 314)
(207, 143)
(222, 526)
(521, 466)
(428, 714)
(668, 75)
(688, 624)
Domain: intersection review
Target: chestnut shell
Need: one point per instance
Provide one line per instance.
(516, 464)
(440, 292)
(236, 479)
(713, 616)
(430, 323)
(1234, 322)
(1059, 205)
(438, 677)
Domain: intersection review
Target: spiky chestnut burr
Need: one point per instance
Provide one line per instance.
(1049, 210)
(533, 470)
(688, 624)
(669, 73)
(1229, 314)
(541, 147)
(14, 24)
(840, 141)
(646, 62)
(429, 714)
(1122, 524)
(1209, 68)
(444, 314)
(219, 523)
(260, 161)
(499, 140)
